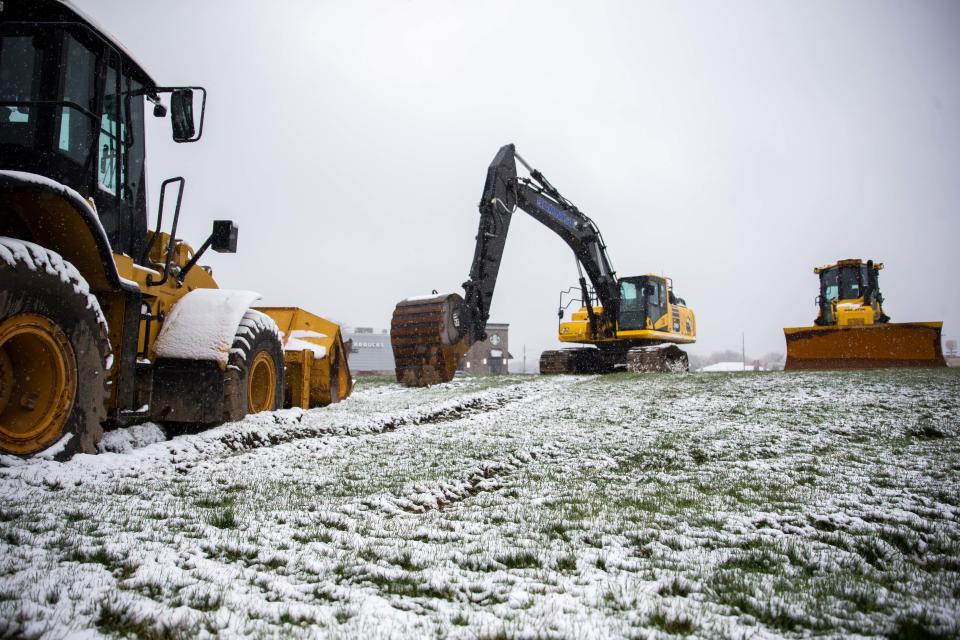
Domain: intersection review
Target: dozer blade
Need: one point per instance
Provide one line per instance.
(907, 344)
(428, 339)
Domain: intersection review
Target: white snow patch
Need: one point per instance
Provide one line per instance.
(37, 258)
(55, 449)
(127, 439)
(203, 324)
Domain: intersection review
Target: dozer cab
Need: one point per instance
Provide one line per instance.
(104, 321)
(633, 323)
(851, 331)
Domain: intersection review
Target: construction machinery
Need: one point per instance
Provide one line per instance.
(104, 321)
(851, 331)
(632, 323)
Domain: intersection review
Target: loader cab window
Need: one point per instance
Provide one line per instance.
(111, 129)
(20, 64)
(75, 129)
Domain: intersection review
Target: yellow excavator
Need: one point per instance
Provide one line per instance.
(632, 323)
(851, 331)
(104, 321)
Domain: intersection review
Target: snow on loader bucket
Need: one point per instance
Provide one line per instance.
(314, 357)
(907, 344)
(428, 338)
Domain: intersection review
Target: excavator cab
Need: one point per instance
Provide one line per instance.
(643, 301)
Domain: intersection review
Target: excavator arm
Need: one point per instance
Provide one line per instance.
(429, 335)
(503, 193)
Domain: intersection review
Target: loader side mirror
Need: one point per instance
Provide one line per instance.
(181, 115)
(224, 236)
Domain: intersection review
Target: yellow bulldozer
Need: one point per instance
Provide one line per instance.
(104, 321)
(851, 331)
(632, 323)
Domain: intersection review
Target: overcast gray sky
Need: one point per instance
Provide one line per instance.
(732, 147)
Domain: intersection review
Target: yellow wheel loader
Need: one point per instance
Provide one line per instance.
(632, 323)
(851, 331)
(104, 321)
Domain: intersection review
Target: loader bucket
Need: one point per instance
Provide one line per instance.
(314, 357)
(906, 344)
(428, 339)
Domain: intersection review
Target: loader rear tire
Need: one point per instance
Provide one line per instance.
(254, 381)
(54, 352)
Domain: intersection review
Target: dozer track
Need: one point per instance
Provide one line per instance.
(428, 339)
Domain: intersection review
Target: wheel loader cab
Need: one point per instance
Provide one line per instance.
(72, 109)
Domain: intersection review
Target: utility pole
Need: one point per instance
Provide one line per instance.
(743, 349)
(524, 358)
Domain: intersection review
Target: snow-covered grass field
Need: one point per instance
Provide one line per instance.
(726, 505)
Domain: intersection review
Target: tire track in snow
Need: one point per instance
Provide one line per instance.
(268, 429)
(485, 476)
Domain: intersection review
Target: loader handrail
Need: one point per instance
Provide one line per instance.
(173, 230)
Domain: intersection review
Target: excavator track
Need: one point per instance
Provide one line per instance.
(665, 358)
(558, 362)
(428, 339)
(582, 360)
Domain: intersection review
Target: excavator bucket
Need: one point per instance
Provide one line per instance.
(314, 358)
(428, 339)
(907, 344)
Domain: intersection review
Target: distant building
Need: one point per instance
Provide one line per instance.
(731, 366)
(370, 351)
(490, 357)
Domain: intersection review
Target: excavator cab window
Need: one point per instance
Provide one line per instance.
(633, 310)
(657, 300)
(641, 298)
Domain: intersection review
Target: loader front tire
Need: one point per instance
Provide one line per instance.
(53, 354)
(254, 381)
